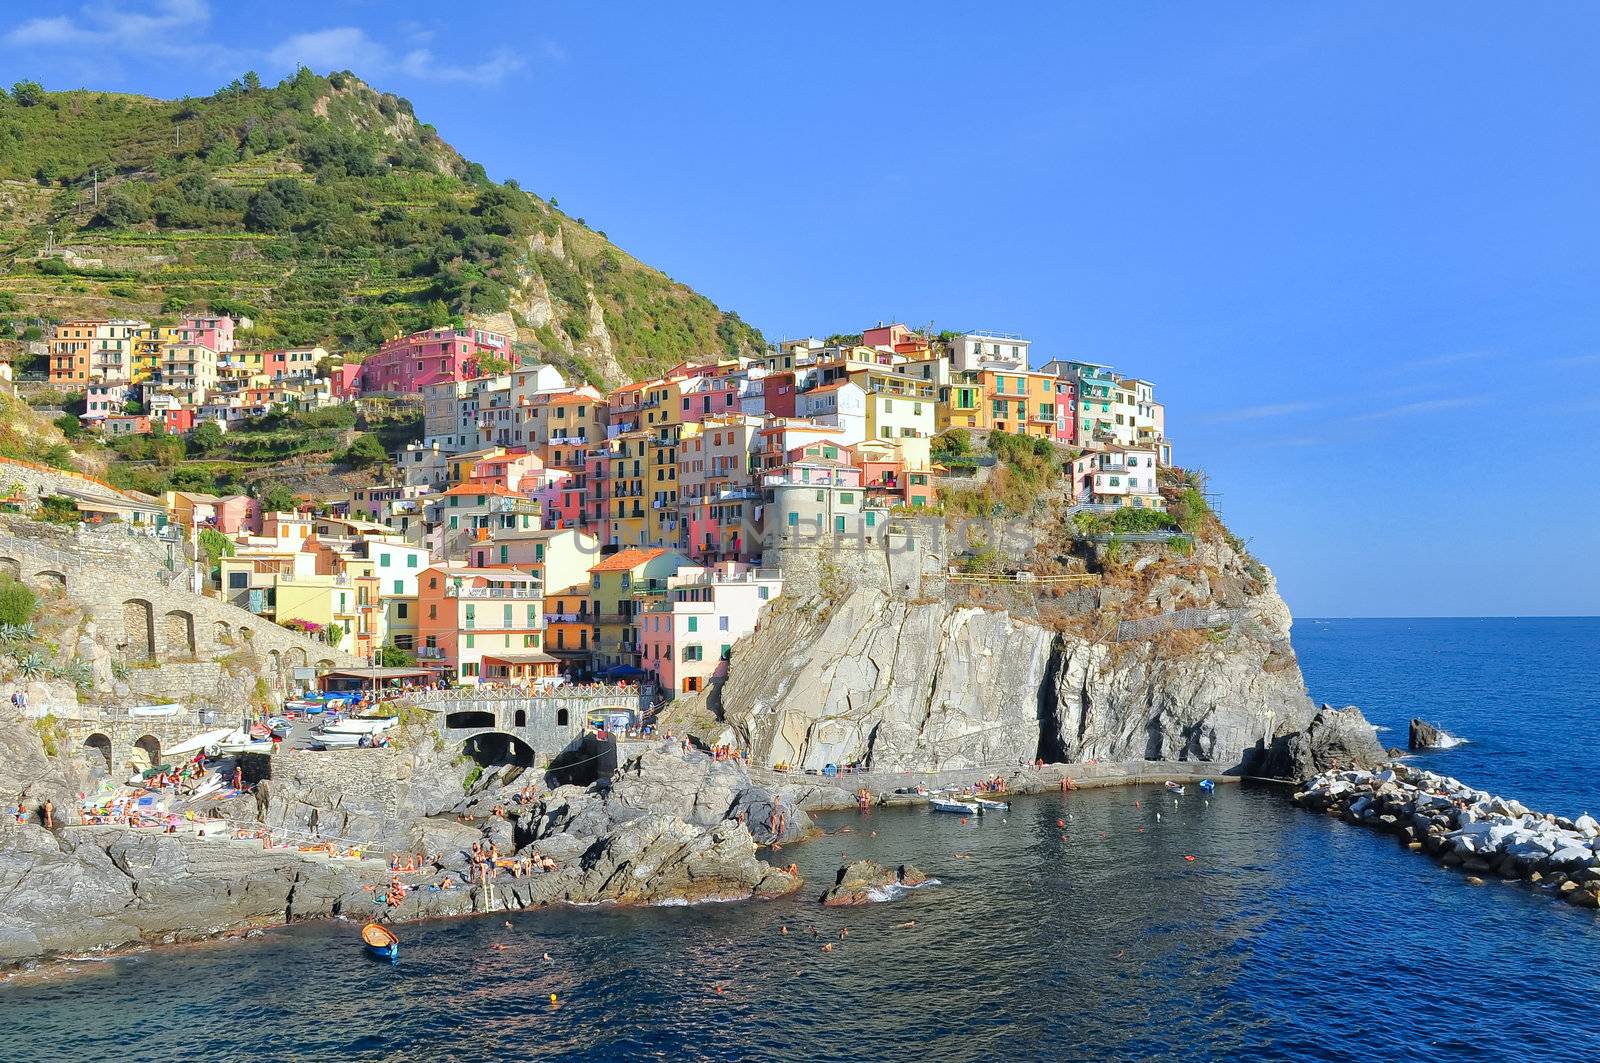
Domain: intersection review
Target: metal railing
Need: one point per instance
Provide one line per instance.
(494, 592)
(1178, 619)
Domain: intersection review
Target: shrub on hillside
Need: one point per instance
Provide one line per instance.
(17, 601)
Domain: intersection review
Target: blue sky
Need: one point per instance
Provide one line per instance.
(1356, 245)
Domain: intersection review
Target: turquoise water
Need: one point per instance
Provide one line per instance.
(1289, 936)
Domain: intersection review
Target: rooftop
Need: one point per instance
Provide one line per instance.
(625, 560)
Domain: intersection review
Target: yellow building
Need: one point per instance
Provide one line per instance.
(620, 588)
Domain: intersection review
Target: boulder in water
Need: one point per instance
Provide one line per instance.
(865, 881)
(1425, 735)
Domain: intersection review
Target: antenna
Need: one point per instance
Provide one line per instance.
(97, 188)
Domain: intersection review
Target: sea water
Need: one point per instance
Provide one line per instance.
(1068, 928)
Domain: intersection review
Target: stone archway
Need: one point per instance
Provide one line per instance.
(496, 748)
(139, 629)
(99, 744)
(297, 657)
(178, 633)
(223, 633)
(147, 752)
(49, 581)
(324, 664)
(521, 718)
(246, 635)
(274, 663)
(468, 718)
(11, 567)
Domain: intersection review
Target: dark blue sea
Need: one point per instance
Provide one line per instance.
(1288, 936)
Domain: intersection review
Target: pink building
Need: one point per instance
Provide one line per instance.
(237, 514)
(1066, 394)
(560, 499)
(214, 332)
(509, 470)
(407, 364)
(686, 640)
(346, 381)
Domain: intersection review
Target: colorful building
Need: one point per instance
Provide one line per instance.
(482, 624)
(687, 637)
(408, 364)
(620, 588)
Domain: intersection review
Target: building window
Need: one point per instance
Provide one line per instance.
(401, 610)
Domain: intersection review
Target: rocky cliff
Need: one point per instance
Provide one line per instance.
(867, 675)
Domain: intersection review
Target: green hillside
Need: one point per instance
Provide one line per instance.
(326, 212)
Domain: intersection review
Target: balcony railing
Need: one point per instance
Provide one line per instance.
(518, 593)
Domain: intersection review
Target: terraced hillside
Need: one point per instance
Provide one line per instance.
(325, 211)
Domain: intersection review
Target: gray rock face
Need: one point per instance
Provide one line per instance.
(1334, 738)
(912, 686)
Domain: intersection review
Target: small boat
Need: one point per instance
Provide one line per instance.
(992, 806)
(360, 725)
(1174, 788)
(325, 739)
(380, 942)
(1207, 785)
(941, 804)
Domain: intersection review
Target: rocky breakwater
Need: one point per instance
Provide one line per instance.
(1464, 827)
(866, 675)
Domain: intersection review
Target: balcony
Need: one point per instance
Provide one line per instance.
(430, 653)
(510, 593)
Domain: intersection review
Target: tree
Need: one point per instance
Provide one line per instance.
(391, 656)
(367, 450)
(70, 426)
(28, 93)
(122, 210)
(276, 498)
(17, 602)
(215, 546)
(207, 437)
(333, 634)
(58, 509)
(252, 81)
(265, 213)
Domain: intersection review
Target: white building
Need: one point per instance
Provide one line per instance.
(974, 351)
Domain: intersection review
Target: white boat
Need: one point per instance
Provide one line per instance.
(1174, 788)
(155, 710)
(337, 739)
(943, 804)
(992, 806)
(360, 725)
(197, 743)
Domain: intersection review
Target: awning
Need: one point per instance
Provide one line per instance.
(534, 657)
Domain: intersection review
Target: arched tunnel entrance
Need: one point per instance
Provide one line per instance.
(493, 749)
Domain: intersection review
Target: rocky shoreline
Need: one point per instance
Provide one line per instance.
(1466, 828)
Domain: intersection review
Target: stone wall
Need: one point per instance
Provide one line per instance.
(143, 618)
(373, 781)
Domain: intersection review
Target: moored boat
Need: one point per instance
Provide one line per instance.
(985, 805)
(381, 942)
(1174, 788)
(944, 804)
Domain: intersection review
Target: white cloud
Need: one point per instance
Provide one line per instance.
(166, 27)
(340, 48)
(493, 69)
(103, 31)
(1256, 413)
(1425, 406)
